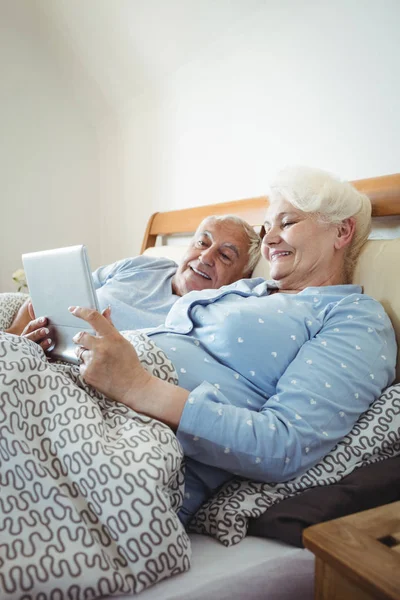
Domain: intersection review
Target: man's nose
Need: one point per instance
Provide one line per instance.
(207, 256)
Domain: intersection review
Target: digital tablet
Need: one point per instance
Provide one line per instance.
(56, 280)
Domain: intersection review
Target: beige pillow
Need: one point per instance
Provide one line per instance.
(379, 273)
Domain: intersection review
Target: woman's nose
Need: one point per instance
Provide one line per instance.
(271, 236)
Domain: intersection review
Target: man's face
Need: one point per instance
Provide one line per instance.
(218, 255)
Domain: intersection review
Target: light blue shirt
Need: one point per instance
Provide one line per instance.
(139, 291)
(276, 380)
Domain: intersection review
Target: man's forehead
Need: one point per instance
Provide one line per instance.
(206, 232)
(228, 230)
(225, 235)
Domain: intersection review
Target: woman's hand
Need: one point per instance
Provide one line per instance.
(26, 325)
(108, 361)
(110, 364)
(37, 332)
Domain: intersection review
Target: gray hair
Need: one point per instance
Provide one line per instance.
(330, 199)
(254, 240)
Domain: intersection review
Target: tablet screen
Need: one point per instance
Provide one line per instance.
(58, 279)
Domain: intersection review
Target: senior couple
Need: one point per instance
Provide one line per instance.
(272, 374)
(142, 290)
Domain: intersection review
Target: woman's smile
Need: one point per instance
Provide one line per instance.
(278, 254)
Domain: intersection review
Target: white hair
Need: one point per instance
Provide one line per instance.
(254, 240)
(330, 199)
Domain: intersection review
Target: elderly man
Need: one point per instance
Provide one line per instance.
(142, 290)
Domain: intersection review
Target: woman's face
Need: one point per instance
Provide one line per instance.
(299, 248)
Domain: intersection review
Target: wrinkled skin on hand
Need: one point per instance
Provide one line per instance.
(110, 364)
(108, 361)
(27, 325)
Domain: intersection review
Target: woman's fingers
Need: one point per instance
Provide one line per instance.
(94, 345)
(46, 343)
(36, 332)
(107, 314)
(85, 339)
(107, 360)
(40, 336)
(34, 325)
(80, 352)
(100, 323)
(31, 311)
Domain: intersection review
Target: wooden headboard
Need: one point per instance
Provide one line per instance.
(384, 193)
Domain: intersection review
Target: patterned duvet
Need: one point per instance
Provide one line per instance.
(89, 489)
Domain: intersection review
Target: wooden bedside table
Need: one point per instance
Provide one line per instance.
(358, 556)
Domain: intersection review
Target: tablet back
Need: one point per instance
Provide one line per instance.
(56, 280)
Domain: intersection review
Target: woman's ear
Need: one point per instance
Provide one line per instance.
(345, 233)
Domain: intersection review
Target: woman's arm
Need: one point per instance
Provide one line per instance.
(332, 380)
(22, 318)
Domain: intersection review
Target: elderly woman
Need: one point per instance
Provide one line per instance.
(271, 373)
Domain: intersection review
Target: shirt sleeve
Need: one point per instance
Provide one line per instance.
(102, 274)
(129, 265)
(333, 379)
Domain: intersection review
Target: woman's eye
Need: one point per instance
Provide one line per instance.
(287, 223)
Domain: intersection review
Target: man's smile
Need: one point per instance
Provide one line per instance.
(201, 273)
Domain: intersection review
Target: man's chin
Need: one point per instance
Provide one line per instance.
(198, 283)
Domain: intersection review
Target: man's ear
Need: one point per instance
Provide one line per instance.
(345, 233)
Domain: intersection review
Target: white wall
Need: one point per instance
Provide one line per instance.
(308, 82)
(103, 125)
(49, 151)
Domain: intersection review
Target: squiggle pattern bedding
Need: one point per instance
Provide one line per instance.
(9, 306)
(89, 489)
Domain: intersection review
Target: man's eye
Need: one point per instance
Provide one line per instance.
(226, 257)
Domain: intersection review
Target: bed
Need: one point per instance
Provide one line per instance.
(269, 561)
